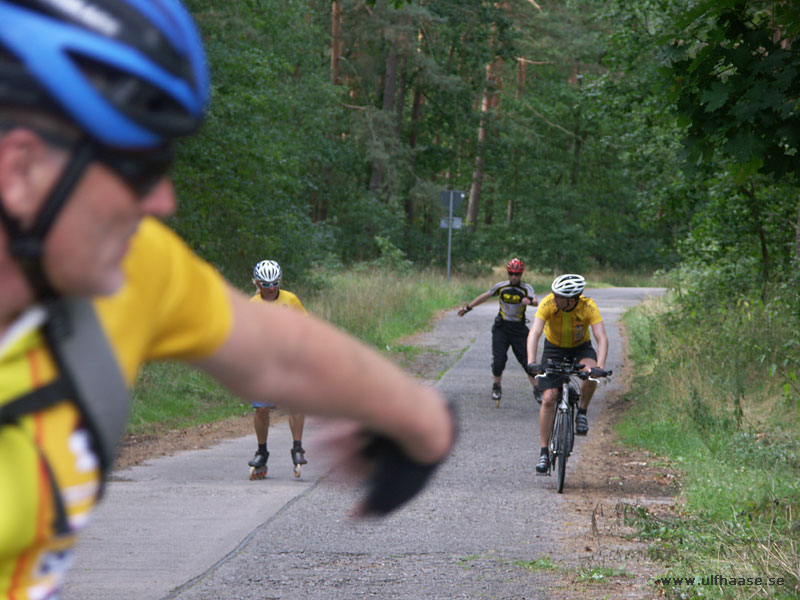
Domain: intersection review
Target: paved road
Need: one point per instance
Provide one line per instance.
(192, 527)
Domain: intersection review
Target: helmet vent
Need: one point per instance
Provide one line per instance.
(140, 100)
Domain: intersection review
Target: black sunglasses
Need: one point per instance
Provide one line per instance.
(140, 170)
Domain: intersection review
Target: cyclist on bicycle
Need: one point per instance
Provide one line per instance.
(566, 316)
(509, 328)
(267, 276)
(92, 284)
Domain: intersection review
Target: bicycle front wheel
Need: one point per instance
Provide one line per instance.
(562, 447)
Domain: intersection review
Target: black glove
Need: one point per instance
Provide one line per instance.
(396, 478)
(598, 372)
(535, 369)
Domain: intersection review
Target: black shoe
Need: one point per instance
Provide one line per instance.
(543, 466)
(581, 425)
(259, 460)
(537, 395)
(299, 456)
(497, 391)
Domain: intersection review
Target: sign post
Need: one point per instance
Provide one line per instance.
(451, 199)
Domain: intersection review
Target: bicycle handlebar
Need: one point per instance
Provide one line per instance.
(569, 367)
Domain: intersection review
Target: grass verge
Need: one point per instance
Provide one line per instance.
(711, 396)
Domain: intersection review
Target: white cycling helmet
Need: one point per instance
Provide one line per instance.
(569, 285)
(267, 272)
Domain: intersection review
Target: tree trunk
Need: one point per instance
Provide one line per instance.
(576, 160)
(477, 173)
(491, 99)
(510, 204)
(416, 111)
(389, 89)
(521, 67)
(336, 40)
(390, 81)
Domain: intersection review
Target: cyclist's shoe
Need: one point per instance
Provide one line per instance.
(581, 425)
(537, 395)
(497, 391)
(543, 466)
(258, 465)
(299, 456)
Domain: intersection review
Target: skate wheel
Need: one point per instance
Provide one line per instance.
(297, 470)
(256, 474)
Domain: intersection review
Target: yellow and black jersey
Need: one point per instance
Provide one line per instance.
(510, 299)
(568, 329)
(155, 315)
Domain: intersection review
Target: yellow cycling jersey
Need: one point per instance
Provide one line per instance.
(568, 329)
(285, 298)
(172, 305)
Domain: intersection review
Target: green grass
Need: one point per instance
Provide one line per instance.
(540, 564)
(379, 306)
(174, 396)
(600, 574)
(710, 396)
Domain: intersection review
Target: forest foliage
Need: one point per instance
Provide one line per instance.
(642, 135)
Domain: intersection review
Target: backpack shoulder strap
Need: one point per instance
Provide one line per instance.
(87, 360)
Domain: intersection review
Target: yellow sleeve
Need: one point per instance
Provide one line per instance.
(546, 308)
(173, 305)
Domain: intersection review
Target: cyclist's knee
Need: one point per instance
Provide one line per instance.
(549, 398)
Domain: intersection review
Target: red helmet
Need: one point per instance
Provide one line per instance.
(515, 265)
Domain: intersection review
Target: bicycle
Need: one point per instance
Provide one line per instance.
(562, 435)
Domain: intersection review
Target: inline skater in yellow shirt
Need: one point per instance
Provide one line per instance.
(267, 275)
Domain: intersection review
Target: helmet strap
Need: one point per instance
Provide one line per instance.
(27, 246)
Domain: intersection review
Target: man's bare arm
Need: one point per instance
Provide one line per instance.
(599, 332)
(306, 365)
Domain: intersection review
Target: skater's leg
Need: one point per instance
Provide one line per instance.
(519, 340)
(258, 464)
(296, 422)
(500, 344)
(261, 423)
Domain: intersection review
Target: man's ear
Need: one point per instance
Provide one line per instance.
(23, 161)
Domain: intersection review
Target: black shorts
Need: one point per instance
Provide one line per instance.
(585, 350)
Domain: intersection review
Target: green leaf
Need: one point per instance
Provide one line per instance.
(715, 97)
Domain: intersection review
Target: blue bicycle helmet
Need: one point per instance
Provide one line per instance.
(130, 73)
